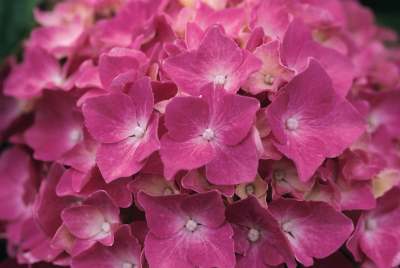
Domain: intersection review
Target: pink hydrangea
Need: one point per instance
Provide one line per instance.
(202, 133)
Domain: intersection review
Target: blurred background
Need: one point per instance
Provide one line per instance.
(16, 19)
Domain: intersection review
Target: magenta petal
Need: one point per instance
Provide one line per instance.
(208, 248)
(186, 117)
(217, 56)
(186, 155)
(142, 96)
(325, 125)
(314, 229)
(15, 177)
(198, 207)
(298, 47)
(110, 118)
(232, 116)
(163, 253)
(213, 247)
(234, 164)
(57, 127)
(83, 221)
(125, 251)
(163, 214)
(119, 60)
(150, 142)
(119, 159)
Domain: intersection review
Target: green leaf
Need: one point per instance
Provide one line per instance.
(16, 21)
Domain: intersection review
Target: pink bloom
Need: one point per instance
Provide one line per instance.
(272, 73)
(298, 46)
(275, 23)
(377, 235)
(187, 230)
(96, 219)
(196, 180)
(311, 122)
(117, 62)
(211, 131)
(57, 127)
(58, 41)
(18, 186)
(217, 60)
(314, 229)
(81, 185)
(126, 127)
(233, 19)
(37, 72)
(124, 253)
(259, 240)
(285, 181)
(152, 184)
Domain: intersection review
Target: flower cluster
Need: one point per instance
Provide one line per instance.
(202, 133)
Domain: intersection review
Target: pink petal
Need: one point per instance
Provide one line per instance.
(119, 159)
(143, 99)
(186, 118)
(110, 118)
(240, 163)
(163, 214)
(186, 155)
(314, 229)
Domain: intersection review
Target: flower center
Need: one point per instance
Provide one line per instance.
(167, 191)
(269, 79)
(75, 135)
(128, 265)
(279, 174)
(138, 132)
(250, 189)
(191, 225)
(106, 227)
(208, 134)
(253, 235)
(220, 80)
(292, 123)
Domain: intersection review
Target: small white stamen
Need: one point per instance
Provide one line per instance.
(250, 189)
(220, 80)
(370, 225)
(106, 227)
(253, 235)
(292, 123)
(138, 132)
(191, 225)
(168, 191)
(128, 265)
(279, 174)
(269, 79)
(208, 134)
(75, 135)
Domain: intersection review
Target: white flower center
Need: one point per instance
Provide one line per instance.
(106, 227)
(167, 191)
(138, 132)
(279, 174)
(250, 189)
(292, 123)
(75, 135)
(128, 265)
(220, 80)
(208, 134)
(269, 79)
(253, 235)
(191, 225)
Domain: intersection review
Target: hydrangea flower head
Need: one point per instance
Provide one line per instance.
(201, 133)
